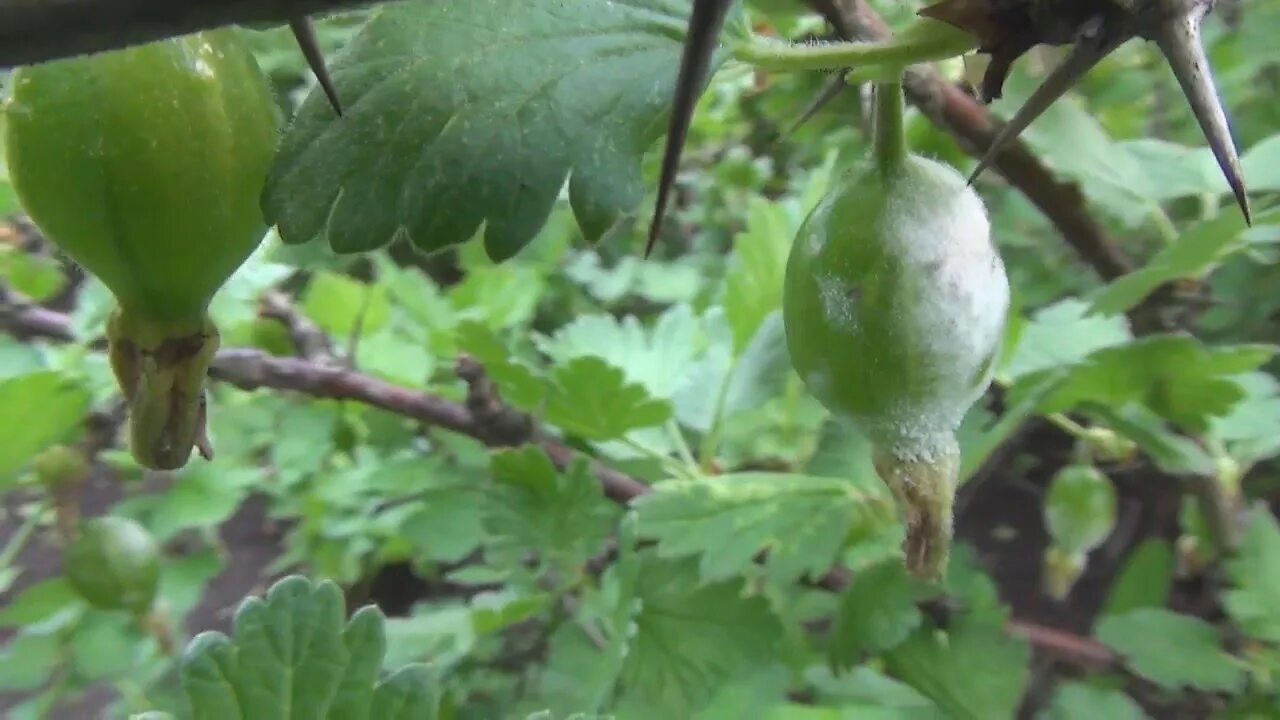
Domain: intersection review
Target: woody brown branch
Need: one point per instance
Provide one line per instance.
(33, 31)
(252, 369)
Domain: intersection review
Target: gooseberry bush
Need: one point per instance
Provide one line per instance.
(362, 399)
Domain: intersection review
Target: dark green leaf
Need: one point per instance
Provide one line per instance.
(460, 114)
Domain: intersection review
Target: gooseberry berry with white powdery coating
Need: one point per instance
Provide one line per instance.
(895, 308)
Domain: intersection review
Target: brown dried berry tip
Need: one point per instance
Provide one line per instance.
(925, 490)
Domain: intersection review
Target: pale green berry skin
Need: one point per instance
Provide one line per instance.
(114, 564)
(146, 165)
(1080, 509)
(896, 302)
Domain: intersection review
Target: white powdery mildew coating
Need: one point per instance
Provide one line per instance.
(960, 301)
(837, 302)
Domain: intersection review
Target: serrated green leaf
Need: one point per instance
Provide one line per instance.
(471, 113)
(877, 610)
(658, 358)
(690, 639)
(1079, 701)
(725, 521)
(1175, 375)
(1062, 334)
(592, 399)
(973, 671)
(753, 286)
(1171, 650)
(1255, 578)
(536, 507)
(293, 655)
(1193, 254)
(51, 406)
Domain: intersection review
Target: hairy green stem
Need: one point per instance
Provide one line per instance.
(924, 41)
(890, 137)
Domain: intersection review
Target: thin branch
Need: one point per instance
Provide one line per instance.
(968, 121)
(33, 31)
(484, 417)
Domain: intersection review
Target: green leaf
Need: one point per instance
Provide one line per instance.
(38, 277)
(460, 114)
(1144, 581)
(725, 521)
(341, 305)
(536, 507)
(39, 602)
(518, 384)
(203, 497)
(1175, 375)
(974, 671)
(1254, 573)
(753, 286)
(501, 296)
(1173, 453)
(1252, 428)
(28, 660)
(1080, 701)
(1261, 164)
(658, 358)
(1062, 334)
(293, 655)
(1192, 255)
(592, 399)
(51, 407)
(690, 640)
(876, 612)
(1171, 650)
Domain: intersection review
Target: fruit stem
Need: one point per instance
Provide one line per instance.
(925, 40)
(889, 135)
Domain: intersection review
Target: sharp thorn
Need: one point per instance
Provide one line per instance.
(1086, 53)
(705, 22)
(1179, 41)
(829, 92)
(305, 33)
